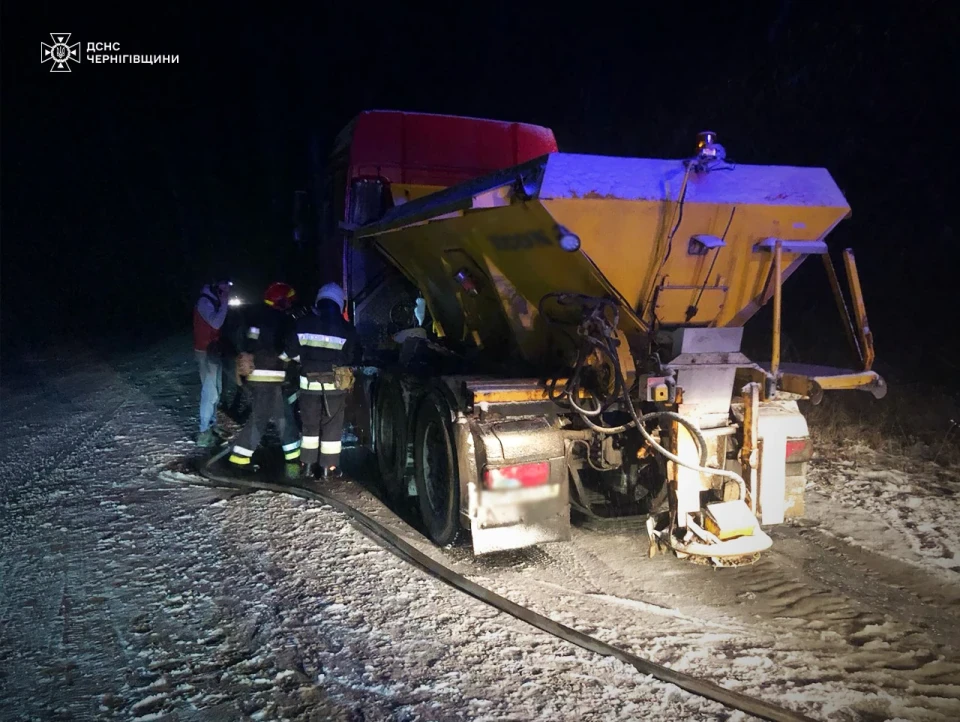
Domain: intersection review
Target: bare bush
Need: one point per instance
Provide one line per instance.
(914, 421)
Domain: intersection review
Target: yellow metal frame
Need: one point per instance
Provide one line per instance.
(860, 337)
(749, 452)
(777, 306)
(859, 310)
(841, 305)
(511, 396)
(812, 387)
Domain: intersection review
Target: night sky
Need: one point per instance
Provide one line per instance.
(126, 186)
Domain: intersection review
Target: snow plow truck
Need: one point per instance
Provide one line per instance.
(550, 334)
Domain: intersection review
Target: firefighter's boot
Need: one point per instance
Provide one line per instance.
(332, 472)
(207, 439)
(296, 471)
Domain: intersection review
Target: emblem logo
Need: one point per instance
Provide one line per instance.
(60, 54)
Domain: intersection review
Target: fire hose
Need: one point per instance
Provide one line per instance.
(408, 552)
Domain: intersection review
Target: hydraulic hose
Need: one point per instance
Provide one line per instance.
(703, 468)
(638, 421)
(603, 345)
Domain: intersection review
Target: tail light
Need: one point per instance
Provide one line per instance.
(466, 281)
(517, 477)
(798, 450)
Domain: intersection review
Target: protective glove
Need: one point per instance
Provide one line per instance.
(245, 365)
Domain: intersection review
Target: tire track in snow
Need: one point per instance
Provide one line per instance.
(828, 631)
(46, 584)
(50, 613)
(778, 626)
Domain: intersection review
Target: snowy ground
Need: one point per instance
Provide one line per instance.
(128, 597)
(899, 506)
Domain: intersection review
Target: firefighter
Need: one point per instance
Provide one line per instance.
(268, 335)
(292, 383)
(208, 316)
(327, 344)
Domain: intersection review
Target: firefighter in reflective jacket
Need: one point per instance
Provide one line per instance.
(268, 337)
(291, 385)
(327, 344)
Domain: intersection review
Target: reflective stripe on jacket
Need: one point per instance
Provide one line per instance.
(323, 339)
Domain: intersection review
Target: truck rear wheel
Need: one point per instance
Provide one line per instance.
(390, 435)
(435, 471)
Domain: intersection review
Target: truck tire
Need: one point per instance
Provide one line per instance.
(390, 439)
(435, 471)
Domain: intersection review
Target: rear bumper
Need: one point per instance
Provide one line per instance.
(520, 536)
(512, 518)
(501, 520)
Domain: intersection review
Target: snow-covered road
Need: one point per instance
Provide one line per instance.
(128, 597)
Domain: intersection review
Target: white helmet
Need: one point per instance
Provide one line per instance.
(332, 292)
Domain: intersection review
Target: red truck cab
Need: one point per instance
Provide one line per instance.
(387, 157)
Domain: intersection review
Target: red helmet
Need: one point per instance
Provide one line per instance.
(279, 295)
